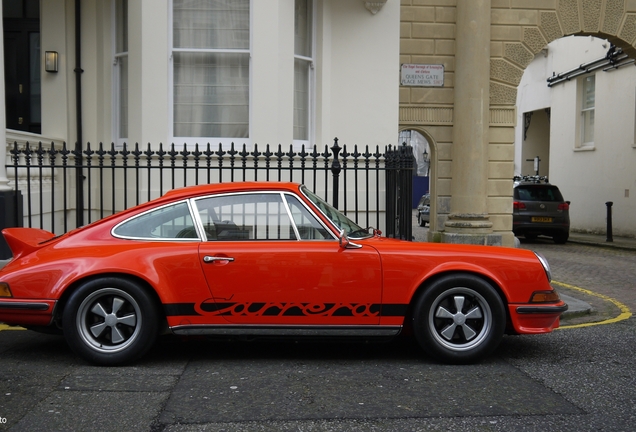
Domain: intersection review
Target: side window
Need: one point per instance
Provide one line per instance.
(308, 227)
(245, 217)
(120, 77)
(588, 104)
(166, 223)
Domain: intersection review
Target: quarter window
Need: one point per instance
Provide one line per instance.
(166, 223)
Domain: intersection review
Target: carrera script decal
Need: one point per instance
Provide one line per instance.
(257, 309)
(292, 309)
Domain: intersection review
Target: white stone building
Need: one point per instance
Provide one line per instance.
(583, 129)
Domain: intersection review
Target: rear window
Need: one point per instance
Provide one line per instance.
(538, 193)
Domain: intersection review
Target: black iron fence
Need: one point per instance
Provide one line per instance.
(60, 189)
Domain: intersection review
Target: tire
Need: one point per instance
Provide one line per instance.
(110, 321)
(561, 238)
(459, 319)
(420, 221)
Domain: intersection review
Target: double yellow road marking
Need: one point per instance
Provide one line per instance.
(625, 312)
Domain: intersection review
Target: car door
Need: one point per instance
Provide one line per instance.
(268, 260)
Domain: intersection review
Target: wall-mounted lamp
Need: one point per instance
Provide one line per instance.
(50, 61)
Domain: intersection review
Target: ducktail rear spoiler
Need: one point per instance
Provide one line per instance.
(23, 241)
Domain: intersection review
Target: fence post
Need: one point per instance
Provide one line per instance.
(610, 236)
(406, 192)
(391, 192)
(335, 170)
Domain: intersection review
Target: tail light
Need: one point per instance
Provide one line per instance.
(518, 205)
(563, 206)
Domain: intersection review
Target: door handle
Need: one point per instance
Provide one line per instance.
(209, 259)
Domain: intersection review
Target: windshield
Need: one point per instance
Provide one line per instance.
(351, 229)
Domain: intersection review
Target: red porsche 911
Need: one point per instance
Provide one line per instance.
(265, 259)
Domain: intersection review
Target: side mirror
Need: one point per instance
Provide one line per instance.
(345, 243)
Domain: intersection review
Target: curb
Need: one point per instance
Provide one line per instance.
(576, 307)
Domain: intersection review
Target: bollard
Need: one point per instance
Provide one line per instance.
(609, 205)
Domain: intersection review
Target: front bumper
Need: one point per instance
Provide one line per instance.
(535, 318)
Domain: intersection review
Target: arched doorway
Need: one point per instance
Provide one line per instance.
(425, 154)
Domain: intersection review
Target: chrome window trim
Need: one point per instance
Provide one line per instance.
(313, 213)
(328, 218)
(153, 239)
(198, 223)
(289, 215)
(282, 194)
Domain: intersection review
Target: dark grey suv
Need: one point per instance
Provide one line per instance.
(539, 209)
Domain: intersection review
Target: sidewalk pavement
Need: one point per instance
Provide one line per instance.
(576, 307)
(601, 240)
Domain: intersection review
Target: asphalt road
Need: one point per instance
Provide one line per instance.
(575, 379)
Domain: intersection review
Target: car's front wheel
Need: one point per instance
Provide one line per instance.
(459, 319)
(110, 321)
(421, 222)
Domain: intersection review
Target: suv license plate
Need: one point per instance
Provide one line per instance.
(541, 219)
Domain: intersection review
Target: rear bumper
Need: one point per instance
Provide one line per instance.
(27, 312)
(522, 225)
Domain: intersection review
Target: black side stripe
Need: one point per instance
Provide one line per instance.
(393, 310)
(180, 309)
(188, 309)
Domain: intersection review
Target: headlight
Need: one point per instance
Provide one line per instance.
(545, 264)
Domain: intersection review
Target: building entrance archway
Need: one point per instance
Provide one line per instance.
(425, 154)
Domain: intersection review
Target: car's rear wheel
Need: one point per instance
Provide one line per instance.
(110, 321)
(459, 319)
(561, 238)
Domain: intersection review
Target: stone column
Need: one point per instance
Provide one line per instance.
(468, 221)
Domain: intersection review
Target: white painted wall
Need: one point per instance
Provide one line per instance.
(357, 72)
(591, 177)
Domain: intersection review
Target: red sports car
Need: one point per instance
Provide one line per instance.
(265, 259)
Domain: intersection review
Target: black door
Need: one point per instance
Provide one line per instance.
(22, 64)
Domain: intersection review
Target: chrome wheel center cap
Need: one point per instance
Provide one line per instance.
(459, 319)
(111, 320)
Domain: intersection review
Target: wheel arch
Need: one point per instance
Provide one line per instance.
(430, 281)
(144, 284)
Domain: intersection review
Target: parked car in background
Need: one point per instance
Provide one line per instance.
(424, 210)
(539, 209)
(265, 259)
